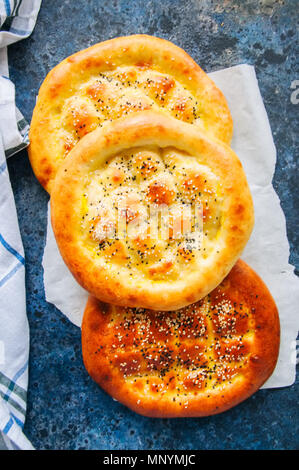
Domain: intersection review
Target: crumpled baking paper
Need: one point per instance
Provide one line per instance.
(267, 251)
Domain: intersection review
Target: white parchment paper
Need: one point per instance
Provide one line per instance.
(267, 251)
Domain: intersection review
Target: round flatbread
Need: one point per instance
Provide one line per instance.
(113, 79)
(196, 361)
(149, 212)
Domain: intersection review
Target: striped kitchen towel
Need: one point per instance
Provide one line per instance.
(17, 18)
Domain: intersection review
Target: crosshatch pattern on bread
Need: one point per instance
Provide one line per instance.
(111, 80)
(196, 361)
(150, 160)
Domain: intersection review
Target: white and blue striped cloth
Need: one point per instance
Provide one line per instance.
(18, 18)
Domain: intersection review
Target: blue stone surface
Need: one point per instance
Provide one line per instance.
(66, 409)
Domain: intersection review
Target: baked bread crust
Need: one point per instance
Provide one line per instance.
(112, 272)
(198, 361)
(111, 79)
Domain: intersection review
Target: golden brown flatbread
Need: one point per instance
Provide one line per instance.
(196, 361)
(111, 80)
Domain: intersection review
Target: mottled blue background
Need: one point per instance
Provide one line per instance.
(66, 410)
